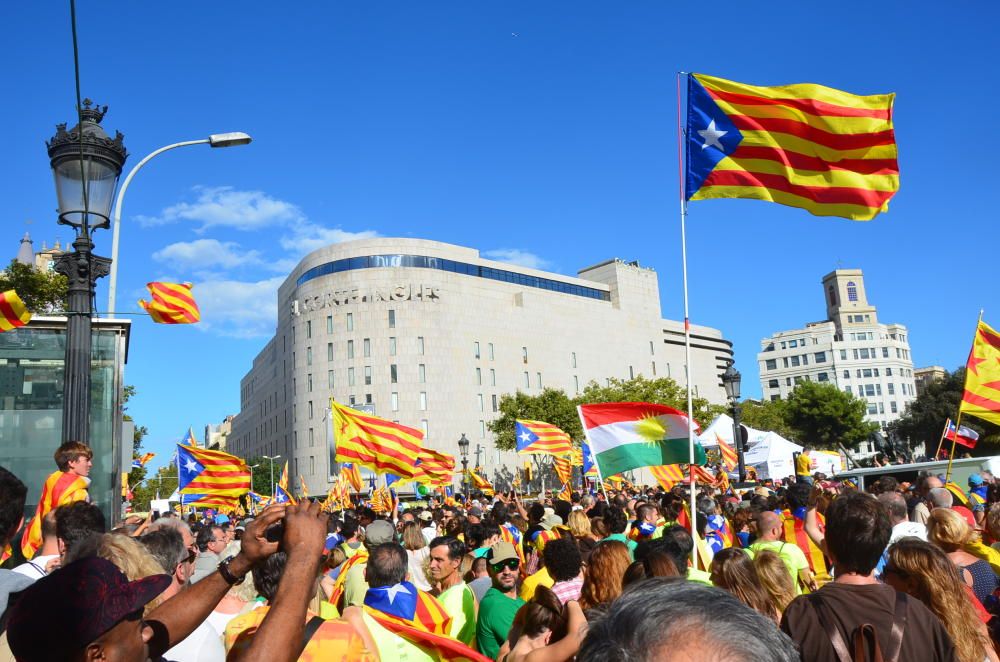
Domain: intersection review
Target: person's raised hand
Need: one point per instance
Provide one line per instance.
(305, 529)
(254, 545)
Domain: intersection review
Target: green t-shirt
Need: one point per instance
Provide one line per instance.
(460, 604)
(793, 557)
(631, 544)
(496, 615)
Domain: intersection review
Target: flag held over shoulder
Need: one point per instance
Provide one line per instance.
(829, 152)
(630, 435)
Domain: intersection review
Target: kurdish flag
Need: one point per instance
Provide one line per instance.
(829, 152)
(630, 435)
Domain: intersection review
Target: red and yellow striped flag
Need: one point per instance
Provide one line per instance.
(729, 457)
(374, 442)
(211, 473)
(829, 152)
(563, 465)
(352, 474)
(305, 488)
(667, 475)
(541, 438)
(701, 474)
(171, 303)
(382, 500)
(13, 314)
(435, 467)
(481, 483)
(60, 488)
(982, 376)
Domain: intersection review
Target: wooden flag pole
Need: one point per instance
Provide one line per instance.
(958, 418)
(944, 433)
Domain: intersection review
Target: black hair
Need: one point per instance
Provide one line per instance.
(614, 519)
(857, 531)
(350, 528)
(562, 558)
(12, 496)
(562, 509)
(77, 521)
(387, 564)
(475, 535)
(206, 535)
(267, 574)
(675, 542)
(797, 495)
(456, 548)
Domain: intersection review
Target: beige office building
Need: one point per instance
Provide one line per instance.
(850, 348)
(432, 335)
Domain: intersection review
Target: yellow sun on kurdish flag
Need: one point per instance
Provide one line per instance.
(982, 376)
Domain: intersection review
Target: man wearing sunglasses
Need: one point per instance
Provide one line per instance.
(500, 604)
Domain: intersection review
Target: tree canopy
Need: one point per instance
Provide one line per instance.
(822, 415)
(41, 291)
(923, 421)
(767, 415)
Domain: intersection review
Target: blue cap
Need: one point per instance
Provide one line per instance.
(975, 480)
(222, 519)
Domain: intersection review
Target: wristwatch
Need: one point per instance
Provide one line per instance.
(231, 579)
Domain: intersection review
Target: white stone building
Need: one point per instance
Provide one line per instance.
(851, 349)
(432, 335)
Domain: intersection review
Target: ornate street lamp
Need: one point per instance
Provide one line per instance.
(731, 382)
(463, 450)
(86, 164)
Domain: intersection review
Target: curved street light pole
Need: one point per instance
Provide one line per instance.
(215, 140)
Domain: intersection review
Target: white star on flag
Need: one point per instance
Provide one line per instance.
(190, 465)
(711, 136)
(525, 436)
(392, 591)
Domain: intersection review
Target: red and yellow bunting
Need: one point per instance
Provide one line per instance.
(13, 314)
(171, 303)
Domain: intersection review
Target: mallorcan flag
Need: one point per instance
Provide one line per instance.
(13, 314)
(982, 376)
(829, 152)
(172, 303)
(630, 435)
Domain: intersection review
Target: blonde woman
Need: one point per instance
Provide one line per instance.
(733, 570)
(949, 531)
(579, 526)
(923, 571)
(128, 556)
(775, 579)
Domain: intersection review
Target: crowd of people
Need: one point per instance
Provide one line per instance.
(811, 570)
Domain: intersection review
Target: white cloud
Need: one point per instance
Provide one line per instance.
(305, 237)
(238, 309)
(518, 257)
(205, 253)
(223, 206)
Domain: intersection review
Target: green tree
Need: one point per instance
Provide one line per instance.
(766, 415)
(41, 291)
(822, 415)
(551, 405)
(264, 474)
(924, 418)
(163, 482)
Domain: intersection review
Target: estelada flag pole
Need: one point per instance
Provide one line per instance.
(958, 418)
(681, 172)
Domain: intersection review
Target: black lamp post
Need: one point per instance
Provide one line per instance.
(731, 381)
(86, 164)
(463, 450)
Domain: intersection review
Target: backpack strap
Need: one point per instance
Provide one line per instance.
(836, 639)
(898, 625)
(864, 633)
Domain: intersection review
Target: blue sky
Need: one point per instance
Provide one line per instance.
(545, 132)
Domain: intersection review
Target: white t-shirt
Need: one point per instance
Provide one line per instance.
(415, 565)
(202, 645)
(430, 533)
(35, 568)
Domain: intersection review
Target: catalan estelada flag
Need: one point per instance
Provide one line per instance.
(434, 467)
(374, 442)
(140, 462)
(829, 152)
(212, 473)
(13, 314)
(539, 437)
(281, 495)
(589, 465)
(667, 475)
(210, 501)
(982, 376)
(171, 303)
(60, 488)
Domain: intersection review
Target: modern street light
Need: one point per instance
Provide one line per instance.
(86, 164)
(232, 139)
(252, 467)
(731, 381)
(271, 472)
(463, 450)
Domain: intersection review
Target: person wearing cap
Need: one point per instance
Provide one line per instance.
(500, 604)
(977, 498)
(429, 529)
(350, 587)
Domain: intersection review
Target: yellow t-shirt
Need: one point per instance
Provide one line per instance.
(803, 465)
(531, 582)
(334, 640)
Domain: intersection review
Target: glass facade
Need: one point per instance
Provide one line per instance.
(441, 264)
(31, 400)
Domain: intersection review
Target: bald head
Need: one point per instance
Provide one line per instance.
(896, 504)
(768, 525)
(928, 483)
(941, 498)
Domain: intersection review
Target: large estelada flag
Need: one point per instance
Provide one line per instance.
(172, 303)
(982, 376)
(60, 488)
(541, 438)
(374, 442)
(211, 473)
(630, 435)
(434, 467)
(13, 313)
(829, 152)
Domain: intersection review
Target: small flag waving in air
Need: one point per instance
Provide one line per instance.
(13, 314)
(212, 473)
(808, 146)
(140, 462)
(539, 437)
(668, 475)
(965, 437)
(729, 457)
(982, 377)
(171, 303)
(374, 442)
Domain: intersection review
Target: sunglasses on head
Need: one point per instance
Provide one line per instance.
(510, 564)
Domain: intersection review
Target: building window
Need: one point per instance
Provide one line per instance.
(309, 330)
(368, 347)
(329, 378)
(631, 372)
(353, 400)
(773, 383)
(476, 349)
(572, 359)
(820, 357)
(881, 407)
(893, 407)
(309, 355)
(296, 466)
(805, 359)
(423, 426)
(539, 375)
(479, 376)
(368, 398)
(847, 389)
(392, 345)
(312, 441)
(784, 361)
(576, 383)
(329, 351)
(847, 374)
(423, 401)
(392, 319)
(652, 348)
(771, 364)
(493, 377)
(393, 374)
(652, 365)
(869, 390)
(852, 291)
(494, 402)
(310, 408)
(420, 345)
(490, 348)
(394, 401)
(527, 380)
(822, 377)
(843, 355)
(350, 376)
(524, 354)
(350, 321)
(795, 362)
(421, 373)
(329, 323)
(793, 343)
(368, 375)
(479, 401)
(788, 381)
(309, 383)
(350, 349)
(312, 465)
